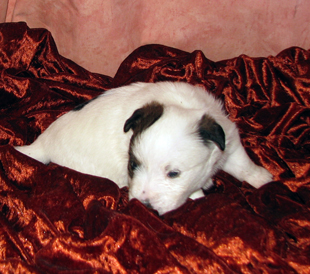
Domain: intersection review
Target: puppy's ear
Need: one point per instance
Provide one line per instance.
(144, 117)
(210, 130)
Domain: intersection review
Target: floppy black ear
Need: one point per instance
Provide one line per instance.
(144, 117)
(210, 130)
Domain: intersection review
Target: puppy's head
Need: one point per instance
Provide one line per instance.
(173, 152)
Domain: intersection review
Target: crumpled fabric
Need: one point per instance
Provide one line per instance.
(57, 220)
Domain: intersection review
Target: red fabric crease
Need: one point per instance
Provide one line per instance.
(56, 220)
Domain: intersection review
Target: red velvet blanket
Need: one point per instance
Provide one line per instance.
(56, 220)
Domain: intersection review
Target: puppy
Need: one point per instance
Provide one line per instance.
(163, 140)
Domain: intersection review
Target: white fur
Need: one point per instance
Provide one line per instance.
(92, 141)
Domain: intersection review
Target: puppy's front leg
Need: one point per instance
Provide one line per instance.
(241, 166)
(197, 194)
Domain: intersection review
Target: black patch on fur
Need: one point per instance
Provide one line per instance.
(140, 120)
(80, 106)
(144, 117)
(210, 130)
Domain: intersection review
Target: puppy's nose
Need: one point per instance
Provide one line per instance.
(147, 203)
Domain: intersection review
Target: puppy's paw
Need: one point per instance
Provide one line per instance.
(259, 177)
(196, 195)
(34, 151)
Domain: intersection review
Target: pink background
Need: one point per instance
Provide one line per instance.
(99, 34)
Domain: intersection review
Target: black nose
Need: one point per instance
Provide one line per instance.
(147, 204)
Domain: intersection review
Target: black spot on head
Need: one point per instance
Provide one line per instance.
(140, 120)
(144, 117)
(210, 130)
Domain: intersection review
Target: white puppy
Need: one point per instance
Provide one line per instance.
(163, 140)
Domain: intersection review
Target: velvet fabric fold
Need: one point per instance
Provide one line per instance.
(56, 220)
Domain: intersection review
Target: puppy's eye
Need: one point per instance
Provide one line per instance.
(174, 174)
(133, 165)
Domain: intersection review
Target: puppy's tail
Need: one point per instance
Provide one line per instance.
(35, 151)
